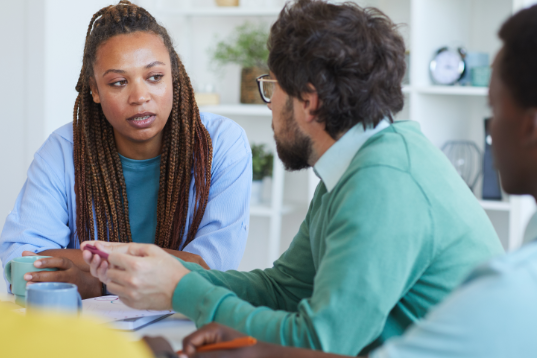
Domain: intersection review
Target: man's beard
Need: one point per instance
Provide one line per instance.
(294, 154)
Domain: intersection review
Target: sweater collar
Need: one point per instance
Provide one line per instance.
(334, 162)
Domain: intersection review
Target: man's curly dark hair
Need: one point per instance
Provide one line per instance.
(518, 59)
(353, 56)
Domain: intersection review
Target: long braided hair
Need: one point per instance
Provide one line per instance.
(101, 194)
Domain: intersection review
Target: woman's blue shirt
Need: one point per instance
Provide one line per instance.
(44, 215)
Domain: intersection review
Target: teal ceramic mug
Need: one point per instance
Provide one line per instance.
(53, 297)
(17, 268)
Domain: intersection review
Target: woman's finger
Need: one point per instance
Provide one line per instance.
(60, 263)
(29, 253)
(45, 276)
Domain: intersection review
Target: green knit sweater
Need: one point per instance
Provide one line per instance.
(397, 233)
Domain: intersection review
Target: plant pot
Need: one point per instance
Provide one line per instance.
(227, 2)
(249, 92)
(256, 192)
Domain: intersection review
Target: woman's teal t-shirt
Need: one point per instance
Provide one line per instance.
(142, 181)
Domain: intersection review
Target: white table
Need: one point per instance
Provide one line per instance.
(173, 328)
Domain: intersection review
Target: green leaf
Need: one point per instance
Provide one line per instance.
(262, 162)
(247, 47)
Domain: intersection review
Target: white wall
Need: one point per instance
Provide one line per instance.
(44, 40)
(519, 4)
(65, 28)
(42, 43)
(12, 90)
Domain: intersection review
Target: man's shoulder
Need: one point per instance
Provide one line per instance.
(392, 147)
(383, 156)
(404, 153)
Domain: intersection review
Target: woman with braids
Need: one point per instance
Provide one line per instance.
(139, 163)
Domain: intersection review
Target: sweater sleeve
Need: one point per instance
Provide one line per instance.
(39, 219)
(280, 287)
(373, 254)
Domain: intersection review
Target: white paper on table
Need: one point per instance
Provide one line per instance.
(110, 309)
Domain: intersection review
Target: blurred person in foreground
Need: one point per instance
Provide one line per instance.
(391, 230)
(59, 336)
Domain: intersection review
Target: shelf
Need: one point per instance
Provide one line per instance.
(265, 210)
(249, 109)
(238, 110)
(494, 205)
(453, 90)
(223, 11)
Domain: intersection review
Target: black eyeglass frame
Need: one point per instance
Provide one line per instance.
(260, 80)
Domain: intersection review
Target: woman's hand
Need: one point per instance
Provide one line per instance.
(88, 286)
(75, 255)
(143, 276)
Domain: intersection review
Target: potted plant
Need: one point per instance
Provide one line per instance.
(262, 163)
(247, 47)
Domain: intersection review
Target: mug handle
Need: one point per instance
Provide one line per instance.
(79, 303)
(7, 270)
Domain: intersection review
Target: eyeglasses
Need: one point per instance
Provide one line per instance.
(266, 87)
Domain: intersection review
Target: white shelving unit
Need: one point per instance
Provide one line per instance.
(251, 110)
(496, 205)
(190, 13)
(456, 112)
(452, 90)
(444, 112)
(223, 11)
